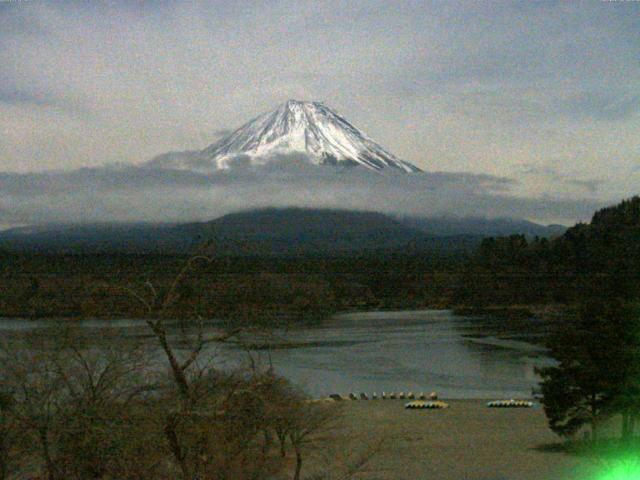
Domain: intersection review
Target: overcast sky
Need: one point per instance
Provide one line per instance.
(544, 94)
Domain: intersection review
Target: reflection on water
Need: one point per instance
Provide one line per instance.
(459, 357)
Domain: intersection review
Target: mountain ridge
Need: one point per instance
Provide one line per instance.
(266, 231)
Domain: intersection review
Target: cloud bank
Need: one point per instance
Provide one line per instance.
(127, 193)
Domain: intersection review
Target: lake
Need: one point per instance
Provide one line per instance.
(419, 351)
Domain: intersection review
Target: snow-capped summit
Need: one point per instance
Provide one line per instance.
(295, 127)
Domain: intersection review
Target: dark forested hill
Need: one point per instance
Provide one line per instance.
(299, 231)
(603, 254)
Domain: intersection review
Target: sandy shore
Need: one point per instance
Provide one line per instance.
(467, 441)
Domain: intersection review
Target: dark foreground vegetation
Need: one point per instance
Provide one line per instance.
(587, 258)
(76, 408)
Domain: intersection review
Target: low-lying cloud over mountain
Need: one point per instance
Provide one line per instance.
(154, 194)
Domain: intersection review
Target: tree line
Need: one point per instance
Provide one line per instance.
(300, 289)
(514, 270)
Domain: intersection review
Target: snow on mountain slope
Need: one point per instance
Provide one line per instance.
(295, 127)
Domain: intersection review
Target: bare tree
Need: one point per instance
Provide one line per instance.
(9, 434)
(29, 373)
(68, 396)
(194, 433)
(219, 426)
(309, 424)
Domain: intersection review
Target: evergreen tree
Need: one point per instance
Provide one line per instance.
(597, 372)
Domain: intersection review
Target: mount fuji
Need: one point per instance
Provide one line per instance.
(305, 128)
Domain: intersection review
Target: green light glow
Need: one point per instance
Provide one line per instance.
(624, 469)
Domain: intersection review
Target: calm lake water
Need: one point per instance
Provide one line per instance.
(459, 357)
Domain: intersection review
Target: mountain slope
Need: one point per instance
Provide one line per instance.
(295, 127)
(303, 231)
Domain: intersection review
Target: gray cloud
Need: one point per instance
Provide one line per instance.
(97, 181)
(17, 97)
(614, 106)
(129, 193)
(22, 98)
(591, 185)
(571, 178)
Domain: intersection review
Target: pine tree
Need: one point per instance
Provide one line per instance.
(598, 356)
